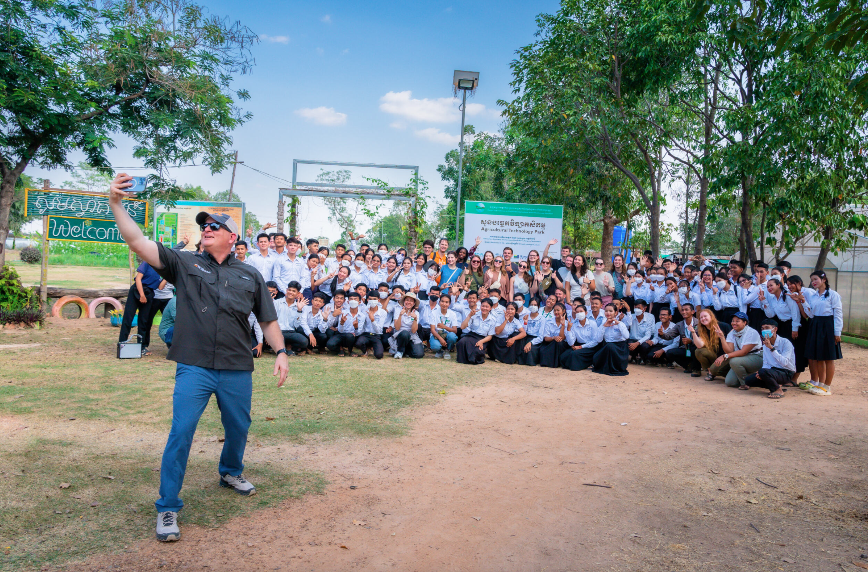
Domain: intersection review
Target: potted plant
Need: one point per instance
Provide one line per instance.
(116, 317)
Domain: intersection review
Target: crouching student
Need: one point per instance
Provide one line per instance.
(405, 340)
(292, 318)
(581, 339)
(444, 328)
(334, 311)
(742, 352)
(479, 327)
(641, 329)
(352, 324)
(554, 338)
(779, 362)
(317, 322)
(503, 346)
(612, 356)
(665, 337)
(533, 326)
(373, 336)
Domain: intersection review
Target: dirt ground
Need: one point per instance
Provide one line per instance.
(497, 477)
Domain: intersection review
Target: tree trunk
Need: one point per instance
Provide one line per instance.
(763, 235)
(824, 248)
(700, 216)
(7, 193)
(608, 238)
(655, 228)
(747, 221)
(741, 247)
(412, 227)
(686, 215)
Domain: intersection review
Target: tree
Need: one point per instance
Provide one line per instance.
(85, 177)
(346, 213)
(74, 73)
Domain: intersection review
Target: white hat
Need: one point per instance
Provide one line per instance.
(410, 295)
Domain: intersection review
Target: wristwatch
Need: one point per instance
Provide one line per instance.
(281, 351)
(725, 356)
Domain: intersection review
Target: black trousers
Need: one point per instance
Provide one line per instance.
(372, 341)
(647, 353)
(134, 304)
(406, 346)
(771, 378)
(424, 333)
(339, 342)
(295, 339)
(157, 305)
(321, 339)
(679, 356)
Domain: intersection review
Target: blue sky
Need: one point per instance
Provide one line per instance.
(360, 82)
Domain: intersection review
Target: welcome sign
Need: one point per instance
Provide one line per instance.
(522, 227)
(79, 205)
(83, 230)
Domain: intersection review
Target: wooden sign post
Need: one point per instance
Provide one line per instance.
(43, 271)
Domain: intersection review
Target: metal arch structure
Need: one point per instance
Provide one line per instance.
(343, 191)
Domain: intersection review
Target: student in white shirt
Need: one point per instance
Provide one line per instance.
(372, 338)
(478, 328)
(291, 267)
(796, 292)
(581, 339)
(665, 338)
(292, 319)
(352, 324)
(782, 308)
(779, 362)
(317, 322)
(443, 326)
(407, 277)
(333, 313)
(726, 300)
(533, 325)
(823, 345)
(554, 338)
(504, 347)
(742, 357)
(263, 259)
(612, 356)
(641, 328)
(427, 308)
(405, 340)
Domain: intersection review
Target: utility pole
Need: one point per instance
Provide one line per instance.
(232, 184)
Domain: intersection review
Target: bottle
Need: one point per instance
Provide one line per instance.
(688, 345)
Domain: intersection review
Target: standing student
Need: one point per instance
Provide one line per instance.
(140, 298)
(503, 347)
(604, 281)
(582, 340)
(780, 307)
(796, 293)
(619, 276)
(508, 264)
(823, 345)
(533, 326)
(742, 352)
(612, 354)
(473, 277)
(443, 327)
(522, 282)
(557, 264)
(407, 278)
(554, 338)
(726, 300)
(779, 362)
(450, 273)
(406, 340)
(579, 278)
(497, 277)
(424, 276)
(665, 337)
(479, 328)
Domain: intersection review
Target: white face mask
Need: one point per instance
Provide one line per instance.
(384, 295)
(431, 272)
(683, 289)
(494, 299)
(353, 303)
(639, 280)
(638, 311)
(359, 263)
(382, 252)
(397, 296)
(372, 304)
(534, 309)
(580, 316)
(400, 258)
(631, 272)
(721, 284)
(345, 263)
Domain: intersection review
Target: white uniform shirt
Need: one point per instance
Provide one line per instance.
(823, 305)
(376, 325)
(583, 335)
(782, 307)
(450, 318)
(360, 319)
(286, 270)
(745, 337)
(614, 333)
(264, 264)
(783, 356)
(426, 312)
(534, 327)
(511, 327)
(407, 281)
(643, 330)
(669, 343)
(482, 327)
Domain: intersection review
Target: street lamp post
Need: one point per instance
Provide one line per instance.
(464, 81)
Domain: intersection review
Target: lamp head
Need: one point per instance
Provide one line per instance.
(465, 81)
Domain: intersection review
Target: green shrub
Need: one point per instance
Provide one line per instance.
(14, 296)
(31, 255)
(28, 316)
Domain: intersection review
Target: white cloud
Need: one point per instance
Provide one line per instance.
(274, 39)
(327, 19)
(435, 135)
(398, 125)
(440, 110)
(322, 115)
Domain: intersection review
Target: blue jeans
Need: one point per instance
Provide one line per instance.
(436, 346)
(193, 388)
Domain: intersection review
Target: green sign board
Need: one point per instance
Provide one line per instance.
(83, 230)
(79, 205)
(167, 229)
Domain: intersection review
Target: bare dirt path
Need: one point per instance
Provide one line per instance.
(495, 477)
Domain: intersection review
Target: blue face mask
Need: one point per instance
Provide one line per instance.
(767, 333)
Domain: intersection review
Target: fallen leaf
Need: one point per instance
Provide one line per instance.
(715, 472)
(706, 514)
(109, 477)
(65, 485)
(94, 503)
(752, 501)
(860, 565)
(221, 439)
(477, 518)
(219, 514)
(342, 546)
(269, 418)
(359, 522)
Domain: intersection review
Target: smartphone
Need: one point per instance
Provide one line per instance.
(139, 184)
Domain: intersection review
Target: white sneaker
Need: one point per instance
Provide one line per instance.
(391, 351)
(241, 485)
(398, 355)
(819, 390)
(439, 354)
(446, 355)
(167, 526)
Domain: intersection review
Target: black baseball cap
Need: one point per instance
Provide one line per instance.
(223, 219)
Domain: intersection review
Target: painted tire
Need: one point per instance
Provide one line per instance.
(91, 309)
(58, 306)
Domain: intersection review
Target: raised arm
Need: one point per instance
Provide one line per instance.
(133, 236)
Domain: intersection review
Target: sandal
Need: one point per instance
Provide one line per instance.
(775, 395)
(709, 377)
(342, 354)
(695, 374)
(744, 387)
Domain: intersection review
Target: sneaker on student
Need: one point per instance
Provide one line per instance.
(146, 352)
(439, 354)
(446, 355)
(167, 526)
(392, 352)
(241, 485)
(399, 355)
(820, 390)
(807, 385)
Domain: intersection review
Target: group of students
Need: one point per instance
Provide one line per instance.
(762, 329)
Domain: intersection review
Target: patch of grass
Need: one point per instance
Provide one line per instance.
(43, 523)
(857, 341)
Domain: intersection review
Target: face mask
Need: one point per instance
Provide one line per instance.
(721, 284)
(580, 316)
(353, 303)
(766, 333)
(384, 295)
(400, 258)
(493, 299)
(431, 272)
(638, 311)
(631, 272)
(372, 304)
(638, 280)
(382, 252)
(345, 263)
(534, 309)
(683, 289)
(359, 263)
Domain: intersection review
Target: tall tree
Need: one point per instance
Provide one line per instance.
(75, 73)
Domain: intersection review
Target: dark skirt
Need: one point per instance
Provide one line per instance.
(821, 344)
(799, 345)
(785, 328)
(467, 352)
(755, 318)
(655, 310)
(531, 357)
(577, 360)
(611, 358)
(499, 351)
(725, 315)
(550, 353)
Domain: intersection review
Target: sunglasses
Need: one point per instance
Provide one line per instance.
(475, 262)
(598, 263)
(546, 262)
(522, 265)
(498, 261)
(215, 226)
